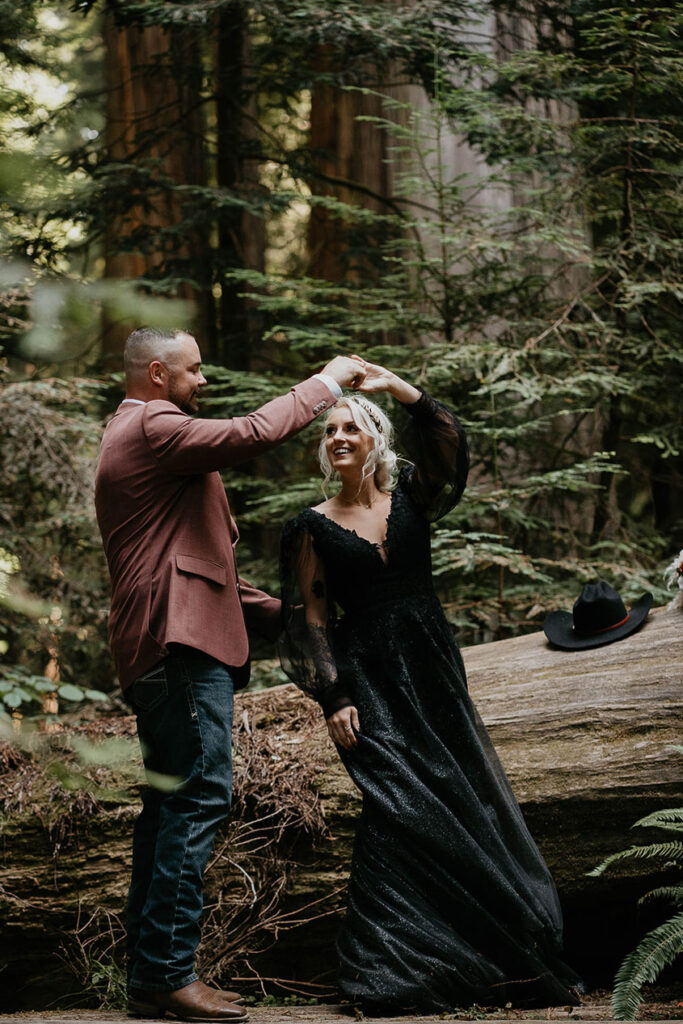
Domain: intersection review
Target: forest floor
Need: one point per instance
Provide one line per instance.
(666, 1004)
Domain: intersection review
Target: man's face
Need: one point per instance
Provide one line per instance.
(185, 377)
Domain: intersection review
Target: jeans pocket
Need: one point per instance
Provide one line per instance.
(191, 701)
(149, 690)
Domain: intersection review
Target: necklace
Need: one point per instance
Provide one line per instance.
(361, 504)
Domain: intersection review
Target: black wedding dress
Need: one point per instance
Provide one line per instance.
(449, 901)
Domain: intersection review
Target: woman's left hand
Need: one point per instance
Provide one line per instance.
(378, 378)
(343, 726)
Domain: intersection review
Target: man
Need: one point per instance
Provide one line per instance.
(177, 631)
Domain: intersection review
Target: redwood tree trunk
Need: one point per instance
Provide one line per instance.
(154, 122)
(350, 157)
(241, 234)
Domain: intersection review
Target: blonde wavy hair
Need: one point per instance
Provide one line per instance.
(382, 459)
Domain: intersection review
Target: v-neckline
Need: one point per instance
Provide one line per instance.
(379, 546)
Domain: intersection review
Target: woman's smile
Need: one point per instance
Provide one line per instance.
(345, 441)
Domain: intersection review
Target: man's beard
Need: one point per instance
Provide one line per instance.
(182, 403)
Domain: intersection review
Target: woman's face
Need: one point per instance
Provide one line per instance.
(346, 444)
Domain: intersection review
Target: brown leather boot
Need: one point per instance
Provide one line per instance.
(227, 996)
(195, 1002)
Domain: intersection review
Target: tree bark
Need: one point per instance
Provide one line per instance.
(241, 234)
(154, 122)
(582, 735)
(350, 158)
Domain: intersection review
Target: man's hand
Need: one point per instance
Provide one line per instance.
(348, 373)
(343, 726)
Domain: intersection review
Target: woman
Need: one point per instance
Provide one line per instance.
(449, 900)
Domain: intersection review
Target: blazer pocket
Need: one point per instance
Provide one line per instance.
(213, 571)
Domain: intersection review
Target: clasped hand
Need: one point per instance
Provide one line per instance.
(377, 378)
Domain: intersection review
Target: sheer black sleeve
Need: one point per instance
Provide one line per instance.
(305, 644)
(435, 440)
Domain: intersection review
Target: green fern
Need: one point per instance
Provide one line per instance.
(671, 818)
(672, 893)
(663, 944)
(670, 852)
(659, 948)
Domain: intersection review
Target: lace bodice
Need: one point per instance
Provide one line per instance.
(338, 587)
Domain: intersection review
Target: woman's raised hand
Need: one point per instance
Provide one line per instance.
(343, 726)
(378, 378)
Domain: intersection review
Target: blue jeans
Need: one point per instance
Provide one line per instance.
(184, 709)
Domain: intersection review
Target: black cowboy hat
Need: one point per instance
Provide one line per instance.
(599, 617)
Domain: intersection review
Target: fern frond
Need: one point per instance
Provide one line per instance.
(672, 851)
(673, 893)
(669, 818)
(659, 948)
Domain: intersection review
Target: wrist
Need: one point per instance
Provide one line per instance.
(333, 698)
(403, 392)
(330, 382)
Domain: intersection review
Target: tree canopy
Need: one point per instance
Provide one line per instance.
(484, 196)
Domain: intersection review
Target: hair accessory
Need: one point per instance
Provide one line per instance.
(366, 408)
(598, 617)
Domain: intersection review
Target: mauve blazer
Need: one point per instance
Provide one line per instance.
(168, 533)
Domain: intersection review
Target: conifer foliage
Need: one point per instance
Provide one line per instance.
(484, 196)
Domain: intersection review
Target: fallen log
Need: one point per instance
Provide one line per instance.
(582, 735)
